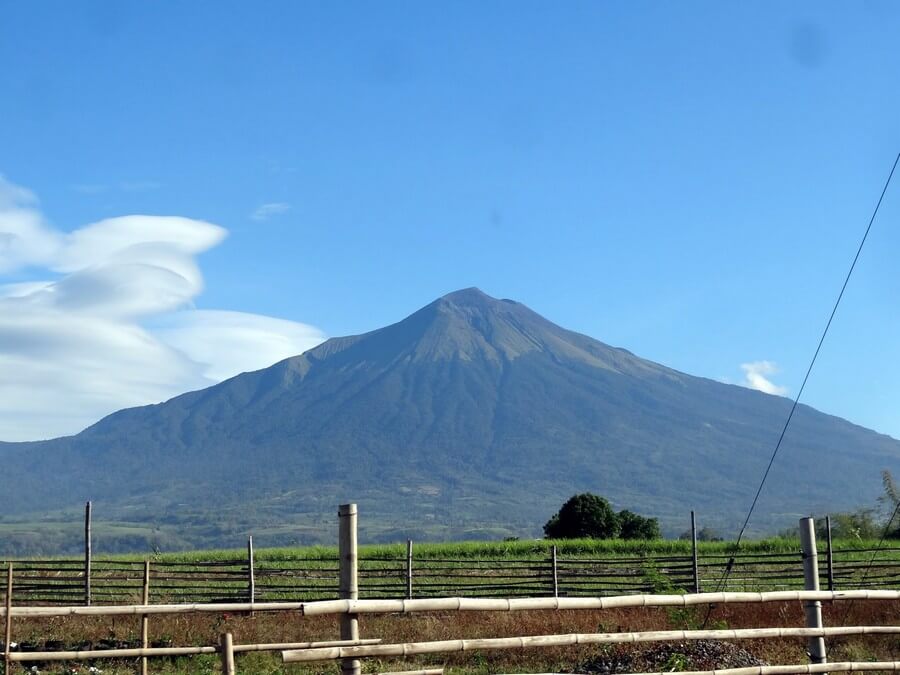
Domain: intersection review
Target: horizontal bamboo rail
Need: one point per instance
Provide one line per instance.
(275, 647)
(838, 666)
(110, 653)
(181, 651)
(322, 607)
(570, 639)
(609, 602)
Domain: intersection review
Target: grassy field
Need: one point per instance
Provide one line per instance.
(498, 550)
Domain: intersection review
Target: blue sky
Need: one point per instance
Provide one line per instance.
(686, 180)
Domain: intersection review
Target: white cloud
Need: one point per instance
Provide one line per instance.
(270, 210)
(111, 325)
(25, 239)
(228, 343)
(757, 374)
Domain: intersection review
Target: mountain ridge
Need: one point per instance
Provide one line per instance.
(478, 415)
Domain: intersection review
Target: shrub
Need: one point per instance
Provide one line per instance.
(633, 526)
(583, 516)
(590, 516)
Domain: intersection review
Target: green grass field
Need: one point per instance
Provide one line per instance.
(498, 550)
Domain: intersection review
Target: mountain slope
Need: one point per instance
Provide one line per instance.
(473, 416)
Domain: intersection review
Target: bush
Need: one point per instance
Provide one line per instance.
(583, 516)
(590, 516)
(860, 524)
(633, 526)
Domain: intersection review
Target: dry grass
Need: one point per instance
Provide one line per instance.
(285, 627)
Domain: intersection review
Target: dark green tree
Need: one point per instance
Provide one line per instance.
(634, 526)
(583, 516)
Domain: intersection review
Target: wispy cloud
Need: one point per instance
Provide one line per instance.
(112, 323)
(139, 185)
(757, 376)
(123, 186)
(90, 188)
(269, 210)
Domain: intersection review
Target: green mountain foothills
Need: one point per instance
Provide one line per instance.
(472, 418)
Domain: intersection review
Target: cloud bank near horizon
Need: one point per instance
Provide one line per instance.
(108, 323)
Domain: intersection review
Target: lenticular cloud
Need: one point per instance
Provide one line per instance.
(110, 325)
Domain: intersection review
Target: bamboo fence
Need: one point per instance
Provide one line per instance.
(65, 582)
(590, 592)
(797, 669)
(571, 639)
(388, 606)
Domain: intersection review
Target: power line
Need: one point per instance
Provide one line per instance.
(790, 416)
(887, 529)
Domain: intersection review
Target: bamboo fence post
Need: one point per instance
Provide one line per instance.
(251, 578)
(409, 569)
(226, 647)
(694, 562)
(87, 553)
(8, 633)
(349, 579)
(830, 554)
(145, 618)
(813, 608)
(553, 560)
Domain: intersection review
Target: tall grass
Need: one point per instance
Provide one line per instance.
(536, 548)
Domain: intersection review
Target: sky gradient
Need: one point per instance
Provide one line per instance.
(686, 180)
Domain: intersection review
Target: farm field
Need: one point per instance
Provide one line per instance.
(473, 569)
(263, 627)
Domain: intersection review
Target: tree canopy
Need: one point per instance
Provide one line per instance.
(589, 516)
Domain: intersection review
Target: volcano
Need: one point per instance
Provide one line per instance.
(474, 417)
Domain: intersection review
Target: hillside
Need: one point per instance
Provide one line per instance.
(472, 417)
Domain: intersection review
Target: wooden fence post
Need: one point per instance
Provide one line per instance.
(145, 619)
(811, 583)
(8, 633)
(696, 566)
(87, 553)
(409, 569)
(226, 649)
(553, 561)
(251, 578)
(830, 554)
(349, 579)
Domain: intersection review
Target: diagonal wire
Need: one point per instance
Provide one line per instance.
(884, 534)
(790, 416)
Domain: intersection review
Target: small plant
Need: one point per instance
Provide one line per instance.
(676, 662)
(657, 581)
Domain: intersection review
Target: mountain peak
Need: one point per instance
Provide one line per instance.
(468, 297)
(470, 325)
(470, 294)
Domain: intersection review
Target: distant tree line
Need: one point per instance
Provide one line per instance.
(865, 523)
(589, 516)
